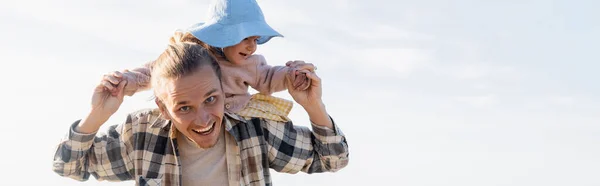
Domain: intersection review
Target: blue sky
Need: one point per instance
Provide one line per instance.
(428, 92)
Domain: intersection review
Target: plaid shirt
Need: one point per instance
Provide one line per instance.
(144, 149)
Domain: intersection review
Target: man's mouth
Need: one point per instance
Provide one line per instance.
(243, 54)
(206, 130)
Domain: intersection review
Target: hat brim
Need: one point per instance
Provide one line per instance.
(218, 35)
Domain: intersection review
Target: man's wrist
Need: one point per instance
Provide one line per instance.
(314, 107)
(92, 122)
(318, 115)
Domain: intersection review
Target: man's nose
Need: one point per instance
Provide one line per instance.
(202, 118)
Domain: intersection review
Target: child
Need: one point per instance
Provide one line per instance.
(232, 33)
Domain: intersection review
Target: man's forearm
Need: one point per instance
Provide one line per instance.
(91, 123)
(318, 115)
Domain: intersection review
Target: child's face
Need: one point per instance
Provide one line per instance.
(238, 53)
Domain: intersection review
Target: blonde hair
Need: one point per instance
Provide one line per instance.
(178, 60)
(181, 37)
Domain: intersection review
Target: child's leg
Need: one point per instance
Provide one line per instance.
(268, 107)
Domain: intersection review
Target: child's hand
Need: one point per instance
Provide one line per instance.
(301, 82)
(135, 81)
(310, 97)
(300, 68)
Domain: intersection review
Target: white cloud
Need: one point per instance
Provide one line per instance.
(478, 71)
(561, 103)
(393, 62)
(385, 33)
(483, 101)
(562, 100)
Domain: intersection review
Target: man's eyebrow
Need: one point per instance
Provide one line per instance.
(210, 92)
(182, 103)
(205, 95)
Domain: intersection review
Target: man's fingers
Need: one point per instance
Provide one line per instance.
(288, 79)
(306, 66)
(117, 74)
(109, 86)
(303, 71)
(112, 79)
(306, 83)
(294, 63)
(313, 78)
(298, 80)
(120, 89)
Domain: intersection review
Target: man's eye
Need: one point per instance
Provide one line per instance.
(210, 99)
(184, 109)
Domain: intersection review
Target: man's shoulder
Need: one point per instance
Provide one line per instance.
(242, 127)
(251, 126)
(149, 117)
(145, 111)
(233, 117)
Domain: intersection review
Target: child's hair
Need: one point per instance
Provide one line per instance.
(179, 60)
(180, 37)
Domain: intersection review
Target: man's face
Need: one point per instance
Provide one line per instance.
(236, 54)
(194, 104)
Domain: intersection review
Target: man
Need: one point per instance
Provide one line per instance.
(189, 140)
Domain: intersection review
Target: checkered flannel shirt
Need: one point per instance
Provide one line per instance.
(144, 149)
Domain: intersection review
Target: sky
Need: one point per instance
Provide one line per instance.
(428, 93)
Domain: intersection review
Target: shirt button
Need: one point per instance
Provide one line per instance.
(227, 106)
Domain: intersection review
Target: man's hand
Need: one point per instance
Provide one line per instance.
(300, 81)
(106, 100)
(310, 98)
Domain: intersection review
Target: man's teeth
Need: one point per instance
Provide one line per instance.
(204, 129)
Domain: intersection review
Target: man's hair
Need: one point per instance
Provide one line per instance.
(181, 59)
(181, 37)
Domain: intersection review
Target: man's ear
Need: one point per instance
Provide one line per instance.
(163, 110)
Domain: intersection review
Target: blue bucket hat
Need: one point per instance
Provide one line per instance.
(231, 21)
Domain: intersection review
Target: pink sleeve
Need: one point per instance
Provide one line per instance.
(269, 79)
(141, 76)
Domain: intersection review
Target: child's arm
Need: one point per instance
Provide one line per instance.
(141, 77)
(270, 79)
(138, 79)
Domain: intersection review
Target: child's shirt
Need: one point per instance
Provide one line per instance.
(256, 73)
